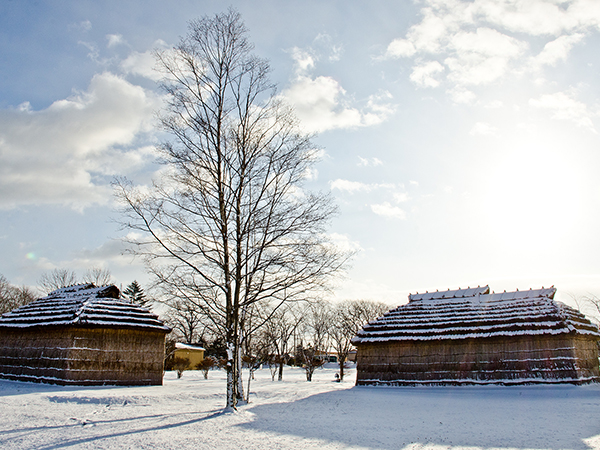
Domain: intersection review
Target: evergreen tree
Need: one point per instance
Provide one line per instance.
(135, 294)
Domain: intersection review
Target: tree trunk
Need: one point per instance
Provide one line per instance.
(240, 389)
(231, 379)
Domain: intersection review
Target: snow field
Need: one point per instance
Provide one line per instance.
(295, 414)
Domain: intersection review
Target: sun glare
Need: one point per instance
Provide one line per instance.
(533, 197)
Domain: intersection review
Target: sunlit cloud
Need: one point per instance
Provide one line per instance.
(345, 242)
(385, 209)
(357, 186)
(476, 43)
(303, 60)
(427, 74)
(321, 103)
(401, 197)
(557, 50)
(369, 162)
(62, 154)
(483, 129)
(143, 63)
(563, 107)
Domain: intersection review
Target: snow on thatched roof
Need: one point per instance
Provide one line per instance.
(179, 345)
(83, 305)
(455, 315)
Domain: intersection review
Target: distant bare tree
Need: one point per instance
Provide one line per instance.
(11, 297)
(185, 319)
(593, 303)
(316, 323)
(278, 331)
(588, 304)
(57, 279)
(347, 318)
(98, 276)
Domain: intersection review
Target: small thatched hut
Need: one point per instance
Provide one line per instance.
(82, 335)
(470, 336)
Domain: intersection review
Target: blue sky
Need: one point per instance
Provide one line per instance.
(459, 138)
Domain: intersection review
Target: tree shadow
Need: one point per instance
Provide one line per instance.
(15, 387)
(549, 417)
(138, 427)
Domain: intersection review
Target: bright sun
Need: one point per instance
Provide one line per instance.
(533, 197)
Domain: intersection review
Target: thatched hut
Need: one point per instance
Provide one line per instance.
(82, 335)
(469, 336)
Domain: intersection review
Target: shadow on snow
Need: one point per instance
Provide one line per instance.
(554, 417)
(206, 415)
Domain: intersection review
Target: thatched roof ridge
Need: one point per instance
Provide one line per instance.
(457, 293)
(518, 313)
(83, 305)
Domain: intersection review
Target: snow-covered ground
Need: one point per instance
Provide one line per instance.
(294, 414)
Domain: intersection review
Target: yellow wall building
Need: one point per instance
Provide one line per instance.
(194, 353)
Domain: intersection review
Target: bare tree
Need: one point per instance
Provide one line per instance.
(591, 303)
(316, 323)
(588, 304)
(11, 297)
(347, 318)
(230, 224)
(98, 276)
(57, 279)
(185, 319)
(278, 332)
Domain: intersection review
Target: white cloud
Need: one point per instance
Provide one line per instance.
(140, 64)
(349, 186)
(401, 197)
(483, 129)
(461, 95)
(464, 43)
(324, 44)
(357, 186)
(369, 162)
(62, 154)
(564, 107)
(114, 40)
(344, 242)
(380, 107)
(400, 48)
(304, 60)
(385, 209)
(539, 17)
(82, 26)
(143, 63)
(93, 52)
(321, 104)
(425, 75)
(557, 50)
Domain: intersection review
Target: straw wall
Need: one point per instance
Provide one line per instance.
(82, 356)
(505, 360)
